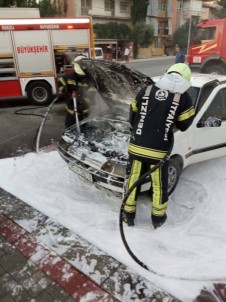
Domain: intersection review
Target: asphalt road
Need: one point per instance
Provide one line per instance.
(18, 130)
(19, 124)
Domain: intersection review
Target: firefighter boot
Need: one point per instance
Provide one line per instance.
(158, 221)
(128, 218)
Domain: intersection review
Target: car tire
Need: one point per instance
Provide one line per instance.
(39, 93)
(174, 174)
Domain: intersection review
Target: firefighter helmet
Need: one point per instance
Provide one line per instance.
(182, 69)
(77, 68)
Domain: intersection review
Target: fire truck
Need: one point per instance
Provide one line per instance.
(207, 50)
(34, 52)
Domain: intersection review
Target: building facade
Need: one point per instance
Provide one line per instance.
(165, 16)
(101, 11)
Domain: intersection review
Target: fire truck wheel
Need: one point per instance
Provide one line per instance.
(215, 69)
(39, 93)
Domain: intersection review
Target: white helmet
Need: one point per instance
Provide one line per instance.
(77, 68)
(182, 69)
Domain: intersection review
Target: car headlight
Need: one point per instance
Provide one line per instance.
(114, 168)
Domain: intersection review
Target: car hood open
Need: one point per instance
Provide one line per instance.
(115, 83)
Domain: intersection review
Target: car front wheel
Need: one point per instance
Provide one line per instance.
(174, 174)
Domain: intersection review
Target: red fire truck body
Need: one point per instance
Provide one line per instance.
(33, 52)
(207, 52)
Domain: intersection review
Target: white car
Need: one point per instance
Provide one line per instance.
(99, 152)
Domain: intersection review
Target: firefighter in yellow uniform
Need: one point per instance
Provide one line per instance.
(77, 85)
(153, 114)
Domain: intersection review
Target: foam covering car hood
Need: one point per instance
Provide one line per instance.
(114, 81)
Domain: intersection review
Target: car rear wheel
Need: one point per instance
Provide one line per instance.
(39, 93)
(174, 174)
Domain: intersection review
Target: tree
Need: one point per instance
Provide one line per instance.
(139, 11)
(111, 30)
(180, 36)
(47, 9)
(18, 3)
(142, 34)
(220, 10)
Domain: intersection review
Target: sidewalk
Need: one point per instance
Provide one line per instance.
(63, 268)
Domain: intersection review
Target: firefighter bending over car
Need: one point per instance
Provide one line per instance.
(77, 85)
(153, 114)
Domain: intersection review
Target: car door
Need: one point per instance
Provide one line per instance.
(207, 142)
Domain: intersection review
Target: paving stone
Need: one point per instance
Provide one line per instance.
(2, 271)
(134, 287)
(7, 298)
(44, 297)
(70, 299)
(13, 260)
(3, 291)
(4, 279)
(24, 296)
(57, 292)
(91, 261)
(33, 288)
(8, 202)
(22, 273)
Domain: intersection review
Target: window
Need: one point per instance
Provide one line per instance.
(201, 34)
(124, 6)
(86, 3)
(163, 28)
(218, 106)
(180, 4)
(161, 5)
(109, 5)
(205, 92)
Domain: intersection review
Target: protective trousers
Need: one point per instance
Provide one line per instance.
(159, 186)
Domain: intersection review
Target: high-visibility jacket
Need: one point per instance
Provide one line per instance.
(81, 85)
(153, 114)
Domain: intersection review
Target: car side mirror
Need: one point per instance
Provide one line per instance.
(209, 122)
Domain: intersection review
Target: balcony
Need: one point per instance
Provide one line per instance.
(161, 14)
(163, 31)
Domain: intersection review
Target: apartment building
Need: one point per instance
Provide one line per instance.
(101, 11)
(165, 16)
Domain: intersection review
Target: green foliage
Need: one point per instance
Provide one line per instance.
(46, 8)
(139, 11)
(181, 35)
(220, 12)
(18, 3)
(142, 34)
(111, 30)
